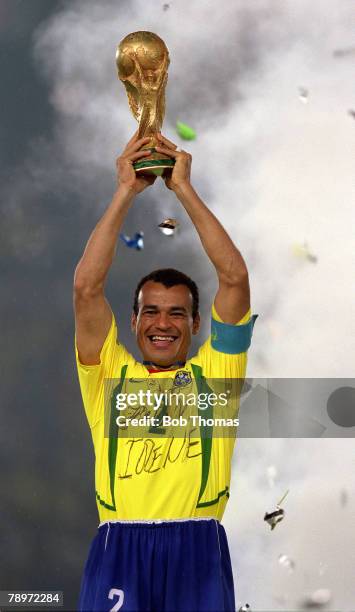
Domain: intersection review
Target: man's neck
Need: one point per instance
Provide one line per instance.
(156, 366)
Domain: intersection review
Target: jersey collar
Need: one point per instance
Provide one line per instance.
(154, 367)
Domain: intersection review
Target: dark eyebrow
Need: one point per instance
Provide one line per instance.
(178, 308)
(172, 309)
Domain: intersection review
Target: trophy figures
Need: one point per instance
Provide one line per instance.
(142, 60)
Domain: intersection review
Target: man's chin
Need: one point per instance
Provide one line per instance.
(160, 357)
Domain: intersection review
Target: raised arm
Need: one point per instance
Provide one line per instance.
(232, 300)
(93, 314)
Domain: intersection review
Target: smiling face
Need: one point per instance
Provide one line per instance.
(164, 323)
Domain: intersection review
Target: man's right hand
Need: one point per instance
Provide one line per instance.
(126, 175)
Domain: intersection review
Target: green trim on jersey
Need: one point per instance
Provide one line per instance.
(214, 501)
(103, 503)
(113, 441)
(206, 431)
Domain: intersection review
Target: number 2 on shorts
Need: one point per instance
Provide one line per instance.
(119, 603)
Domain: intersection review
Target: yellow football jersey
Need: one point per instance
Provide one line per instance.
(159, 475)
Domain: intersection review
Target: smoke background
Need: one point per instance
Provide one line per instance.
(276, 171)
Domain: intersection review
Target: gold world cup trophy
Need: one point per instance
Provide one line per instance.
(142, 60)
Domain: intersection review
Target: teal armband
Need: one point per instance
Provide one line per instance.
(232, 339)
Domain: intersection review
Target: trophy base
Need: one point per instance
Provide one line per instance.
(154, 166)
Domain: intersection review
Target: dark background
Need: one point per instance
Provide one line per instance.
(48, 509)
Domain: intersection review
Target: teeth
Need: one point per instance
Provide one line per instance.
(170, 338)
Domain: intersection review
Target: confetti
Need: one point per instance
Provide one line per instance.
(134, 243)
(271, 474)
(303, 94)
(274, 517)
(168, 227)
(302, 252)
(285, 561)
(282, 498)
(322, 568)
(185, 131)
(320, 597)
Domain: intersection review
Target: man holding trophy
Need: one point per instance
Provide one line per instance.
(160, 545)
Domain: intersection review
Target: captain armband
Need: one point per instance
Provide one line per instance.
(232, 339)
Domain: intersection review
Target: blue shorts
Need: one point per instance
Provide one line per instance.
(166, 566)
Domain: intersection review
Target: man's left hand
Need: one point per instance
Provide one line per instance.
(181, 172)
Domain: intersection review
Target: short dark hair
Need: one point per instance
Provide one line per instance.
(169, 278)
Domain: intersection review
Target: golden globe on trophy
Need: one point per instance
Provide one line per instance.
(142, 60)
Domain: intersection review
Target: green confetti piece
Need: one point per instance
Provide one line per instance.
(185, 131)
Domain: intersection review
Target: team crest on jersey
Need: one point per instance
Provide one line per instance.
(182, 378)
